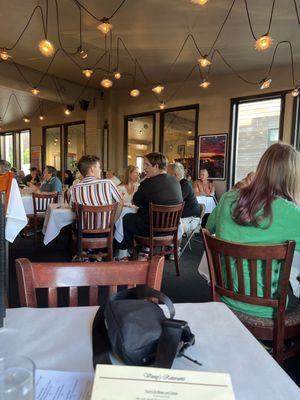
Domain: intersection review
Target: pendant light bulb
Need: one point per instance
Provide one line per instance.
(4, 55)
(46, 48)
(204, 61)
(199, 2)
(204, 84)
(35, 91)
(26, 120)
(106, 83)
(68, 109)
(135, 93)
(158, 89)
(296, 92)
(162, 105)
(117, 75)
(87, 72)
(263, 42)
(105, 26)
(83, 54)
(41, 117)
(265, 83)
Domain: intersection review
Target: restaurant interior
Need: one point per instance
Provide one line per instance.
(211, 84)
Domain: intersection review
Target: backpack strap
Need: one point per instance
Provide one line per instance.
(100, 340)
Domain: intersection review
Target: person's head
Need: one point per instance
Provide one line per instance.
(90, 166)
(170, 168)
(49, 172)
(14, 170)
(68, 173)
(33, 171)
(5, 166)
(155, 163)
(203, 175)
(131, 175)
(277, 175)
(109, 174)
(21, 173)
(178, 171)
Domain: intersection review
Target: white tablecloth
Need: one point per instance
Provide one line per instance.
(60, 339)
(57, 216)
(28, 204)
(295, 271)
(209, 203)
(16, 218)
(119, 233)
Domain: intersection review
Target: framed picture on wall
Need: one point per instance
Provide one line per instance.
(213, 155)
(36, 157)
(181, 150)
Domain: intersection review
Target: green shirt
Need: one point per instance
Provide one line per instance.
(285, 226)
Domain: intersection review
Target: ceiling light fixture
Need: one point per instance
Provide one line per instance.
(158, 89)
(83, 54)
(135, 93)
(25, 119)
(265, 83)
(117, 75)
(106, 83)
(204, 61)
(35, 91)
(204, 84)
(162, 105)
(199, 2)
(296, 91)
(41, 117)
(87, 72)
(46, 48)
(263, 42)
(4, 55)
(189, 132)
(68, 109)
(105, 26)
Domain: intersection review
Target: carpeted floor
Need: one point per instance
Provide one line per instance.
(190, 287)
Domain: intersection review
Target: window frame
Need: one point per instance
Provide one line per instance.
(295, 139)
(232, 145)
(16, 146)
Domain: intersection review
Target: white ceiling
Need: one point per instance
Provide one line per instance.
(153, 31)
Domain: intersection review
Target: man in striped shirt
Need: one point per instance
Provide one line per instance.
(92, 190)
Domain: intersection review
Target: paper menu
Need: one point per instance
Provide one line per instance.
(114, 382)
(62, 385)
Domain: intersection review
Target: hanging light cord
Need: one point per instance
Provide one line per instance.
(249, 20)
(292, 59)
(182, 83)
(12, 95)
(297, 12)
(26, 26)
(95, 16)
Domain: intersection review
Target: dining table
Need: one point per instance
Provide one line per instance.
(61, 339)
(16, 218)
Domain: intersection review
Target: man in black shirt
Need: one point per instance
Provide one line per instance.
(158, 188)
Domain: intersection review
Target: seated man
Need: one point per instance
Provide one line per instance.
(157, 188)
(192, 210)
(202, 186)
(51, 183)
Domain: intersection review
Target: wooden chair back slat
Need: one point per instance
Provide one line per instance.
(73, 296)
(52, 297)
(218, 267)
(32, 276)
(42, 200)
(268, 278)
(253, 278)
(93, 295)
(240, 272)
(228, 273)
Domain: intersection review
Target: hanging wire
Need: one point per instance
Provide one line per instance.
(297, 12)
(57, 89)
(95, 16)
(26, 26)
(292, 59)
(12, 95)
(249, 20)
(216, 51)
(182, 84)
(58, 31)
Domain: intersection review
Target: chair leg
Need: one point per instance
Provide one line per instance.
(176, 258)
(135, 250)
(35, 228)
(110, 252)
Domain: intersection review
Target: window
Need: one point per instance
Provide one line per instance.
(15, 148)
(139, 138)
(257, 124)
(178, 130)
(296, 123)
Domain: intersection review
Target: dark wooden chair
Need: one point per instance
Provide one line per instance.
(95, 228)
(33, 276)
(40, 205)
(164, 224)
(5, 185)
(284, 325)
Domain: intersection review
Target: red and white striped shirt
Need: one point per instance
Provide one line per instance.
(94, 192)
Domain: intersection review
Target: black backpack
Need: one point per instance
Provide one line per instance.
(137, 331)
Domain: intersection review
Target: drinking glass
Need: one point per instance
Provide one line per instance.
(17, 378)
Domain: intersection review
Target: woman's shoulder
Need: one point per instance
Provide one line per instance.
(288, 206)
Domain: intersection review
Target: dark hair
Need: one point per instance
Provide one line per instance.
(51, 170)
(277, 175)
(157, 158)
(4, 166)
(33, 169)
(69, 172)
(86, 162)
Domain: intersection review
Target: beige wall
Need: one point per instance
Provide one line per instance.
(215, 105)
